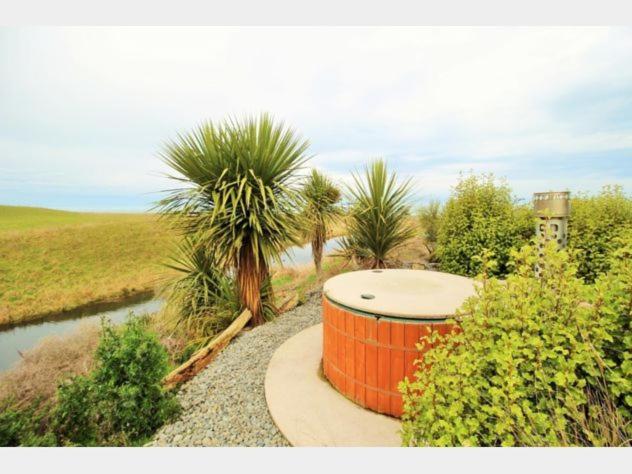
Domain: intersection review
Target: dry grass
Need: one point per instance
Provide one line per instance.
(302, 278)
(47, 364)
(412, 252)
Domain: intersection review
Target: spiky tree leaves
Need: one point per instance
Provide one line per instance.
(239, 197)
(378, 221)
(321, 210)
(203, 300)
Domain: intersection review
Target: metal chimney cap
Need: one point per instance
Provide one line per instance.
(552, 204)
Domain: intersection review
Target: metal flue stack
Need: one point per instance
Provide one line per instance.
(552, 210)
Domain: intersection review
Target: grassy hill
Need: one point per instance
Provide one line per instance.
(52, 261)
(14, 218)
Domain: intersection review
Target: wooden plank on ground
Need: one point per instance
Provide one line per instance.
(204, 356)
(289, 304)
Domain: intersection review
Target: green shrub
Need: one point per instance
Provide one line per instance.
(23, 426)
(533, 365)
(481, 215)
(12, 427)
(595, 224)
(74, 420)
(524, 222)
(612, 300)
(122, 401)
(131, 364)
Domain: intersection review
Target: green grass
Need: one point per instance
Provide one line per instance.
(20, 218)
(53, 261)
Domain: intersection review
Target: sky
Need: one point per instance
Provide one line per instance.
(85, 112)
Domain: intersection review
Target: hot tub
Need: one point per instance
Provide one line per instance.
(372, 321)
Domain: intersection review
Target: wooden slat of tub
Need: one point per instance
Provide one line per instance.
(383, 365)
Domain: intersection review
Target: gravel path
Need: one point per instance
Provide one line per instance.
(225, 405)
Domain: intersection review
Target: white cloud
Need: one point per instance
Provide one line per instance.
(93, 105)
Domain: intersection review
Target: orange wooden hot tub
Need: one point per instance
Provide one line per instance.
(372, 321)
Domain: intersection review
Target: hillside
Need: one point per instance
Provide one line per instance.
(53, 261)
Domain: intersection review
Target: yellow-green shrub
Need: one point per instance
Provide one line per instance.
(595, 224)
(612, 300)
(480, 215)
(534, 365)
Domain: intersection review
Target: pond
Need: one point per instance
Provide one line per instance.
(20, 338)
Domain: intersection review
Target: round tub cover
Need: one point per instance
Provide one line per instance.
(410, 294)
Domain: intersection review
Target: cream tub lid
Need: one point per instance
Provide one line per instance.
(410, 294)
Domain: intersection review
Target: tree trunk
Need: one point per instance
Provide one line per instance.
(317, 248)
(378, 263)
(250, 278)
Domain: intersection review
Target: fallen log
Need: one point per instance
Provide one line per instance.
(289, 304)
(204, 356)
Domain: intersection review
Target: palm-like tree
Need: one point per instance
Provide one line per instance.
(321, 210)
(379, 217)
(240, 197)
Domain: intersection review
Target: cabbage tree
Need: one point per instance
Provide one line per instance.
(239, 197)
(321, 211)
(379, 218)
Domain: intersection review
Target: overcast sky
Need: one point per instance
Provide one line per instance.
(84, 111)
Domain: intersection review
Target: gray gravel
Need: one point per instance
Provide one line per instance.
(225, 405)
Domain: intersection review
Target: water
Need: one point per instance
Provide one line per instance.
(23, 337)
(303, 255)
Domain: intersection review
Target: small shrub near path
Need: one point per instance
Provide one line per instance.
(120, 402)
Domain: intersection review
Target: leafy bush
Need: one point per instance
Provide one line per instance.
(534, 364)
(122, 401)
(595, 224)
(74, 419)
(23, 426)
(378, 219)
(612, 300)
(481, 215)
(524, 222)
